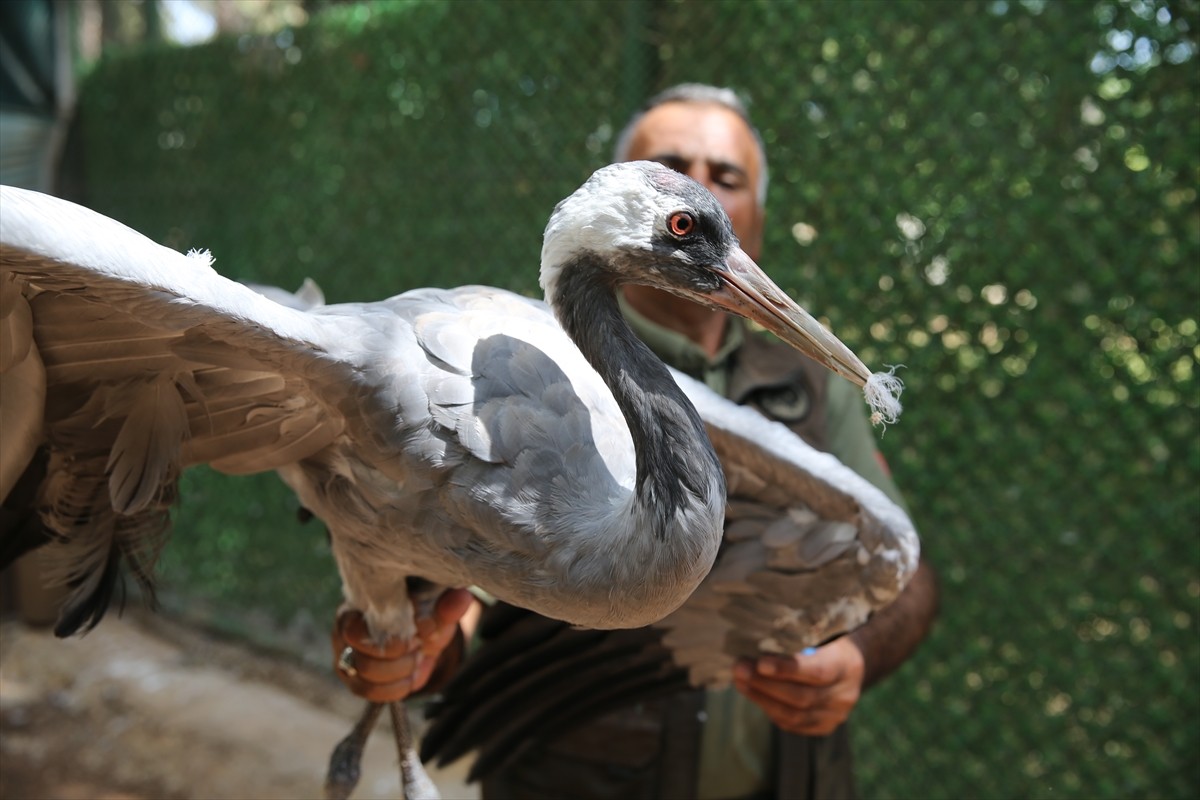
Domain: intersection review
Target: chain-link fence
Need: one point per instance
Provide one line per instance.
(1000, 195)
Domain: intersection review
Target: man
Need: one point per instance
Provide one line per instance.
(704, 132)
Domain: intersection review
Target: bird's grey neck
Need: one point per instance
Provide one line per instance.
(675, 459)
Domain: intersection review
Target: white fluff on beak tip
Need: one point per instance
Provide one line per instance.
(882, 391)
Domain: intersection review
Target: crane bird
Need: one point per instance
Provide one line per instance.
(464, 437)
(811, 550)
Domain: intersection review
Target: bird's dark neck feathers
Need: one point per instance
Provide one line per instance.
(674, 455)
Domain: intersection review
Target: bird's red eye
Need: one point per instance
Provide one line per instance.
(681, 223)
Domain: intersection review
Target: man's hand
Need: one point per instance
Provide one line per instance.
(810, 695)
(397, 669)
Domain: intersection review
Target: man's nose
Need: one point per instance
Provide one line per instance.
(702, 175)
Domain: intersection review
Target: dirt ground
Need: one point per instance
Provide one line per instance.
(143, 708)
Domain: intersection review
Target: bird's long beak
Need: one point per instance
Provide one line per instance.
(749, 293)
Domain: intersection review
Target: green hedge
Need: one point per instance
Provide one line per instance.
(999, 195)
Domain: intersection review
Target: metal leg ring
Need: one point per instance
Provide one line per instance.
(345, 663)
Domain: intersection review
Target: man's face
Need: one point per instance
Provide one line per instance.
(712, 145)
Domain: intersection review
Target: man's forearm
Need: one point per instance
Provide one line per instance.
(894, 633)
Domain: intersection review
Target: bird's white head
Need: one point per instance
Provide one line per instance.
(638, 221)
(641, 222)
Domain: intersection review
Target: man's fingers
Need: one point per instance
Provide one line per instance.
(809, 720)
(378, 693)
(452, 605)
(820, 668)
(352, 628)
(810, 693)
(395, 669)
(433, 638)
(784, 692)
(381, 671)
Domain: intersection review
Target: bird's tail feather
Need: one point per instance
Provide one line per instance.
(91, 543)
(536, 679)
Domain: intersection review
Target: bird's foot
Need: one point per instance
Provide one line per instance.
(415, 780)
(345, 765)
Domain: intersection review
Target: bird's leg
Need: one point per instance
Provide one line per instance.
(345, 763)
(415, 781)
(404, 602)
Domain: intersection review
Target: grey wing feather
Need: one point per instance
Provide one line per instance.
(125, 362)
(811, 549)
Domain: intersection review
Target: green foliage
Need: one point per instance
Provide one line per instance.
(369, 142)
(999, 195)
